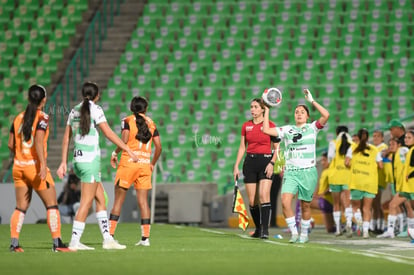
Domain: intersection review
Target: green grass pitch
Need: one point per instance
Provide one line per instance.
(195, 250)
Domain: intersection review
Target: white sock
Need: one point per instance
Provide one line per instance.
(348, 215)
(77, 231)
(304, 227)
(400, 221)
(291, 222)
(365, 227)
(102, 218)
(337, 219)
(391, 223)
(358, 217)
(373, 224)
(410, 222)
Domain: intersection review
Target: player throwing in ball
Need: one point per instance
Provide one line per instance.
(300, 176)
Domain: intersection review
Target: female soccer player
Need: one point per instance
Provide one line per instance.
(257, 167)
(339, 179)
(405, 191)
(138, 132)
(300, 175)
(28, 141)
(364, 179)
(377, 221)
(83, 123)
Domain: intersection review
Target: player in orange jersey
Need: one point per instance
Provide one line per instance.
(138, 131)
(28, 141)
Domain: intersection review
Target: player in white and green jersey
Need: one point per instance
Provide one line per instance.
(300, 176)
(83, 123)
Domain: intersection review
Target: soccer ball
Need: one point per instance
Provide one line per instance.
(272, 97)
(410, 232)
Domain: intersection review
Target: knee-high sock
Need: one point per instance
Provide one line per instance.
(102, 218)
(292, 225)
(113, 222)
(255, 212)
(265, 212)
(77, 231)
(16, 223)
(348, 216)
(304, 227)
(337, 220)
(53, 221)
(145, 228)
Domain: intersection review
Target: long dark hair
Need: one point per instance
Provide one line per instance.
(90, 91)
(343, 148)
(36, 95)
(363, 141)
(139, 106)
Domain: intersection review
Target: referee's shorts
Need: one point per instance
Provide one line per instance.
(254, 167)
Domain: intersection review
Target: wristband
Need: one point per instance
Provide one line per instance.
(272, 163)
(114, 154)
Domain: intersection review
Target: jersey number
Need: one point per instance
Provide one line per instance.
(77, 153)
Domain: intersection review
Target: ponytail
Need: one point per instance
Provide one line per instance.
(36, 95)
(90, 91)
(139, 106)
(85, 117)
(344, 145)
(144, 134)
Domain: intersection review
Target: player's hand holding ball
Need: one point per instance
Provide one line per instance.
(272, 97)
(308, 96)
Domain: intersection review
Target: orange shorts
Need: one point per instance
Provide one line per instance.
(29, 176)
(139, 175)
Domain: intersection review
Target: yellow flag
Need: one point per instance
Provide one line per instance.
(240, 208)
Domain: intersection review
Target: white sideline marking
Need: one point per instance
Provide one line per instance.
(212, 231)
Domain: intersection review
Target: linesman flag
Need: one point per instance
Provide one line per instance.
(240, 208)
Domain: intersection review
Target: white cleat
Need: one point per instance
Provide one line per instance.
(112, 244)
(143, 243)
(386, 235)
(365, 235)
(80, 246)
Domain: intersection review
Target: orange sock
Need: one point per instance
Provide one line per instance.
(113, 222)
(16, 223)
(145, 228)
(112, 227)
(53, 221)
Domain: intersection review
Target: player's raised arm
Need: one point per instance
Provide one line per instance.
(324, 113)
(266, 128)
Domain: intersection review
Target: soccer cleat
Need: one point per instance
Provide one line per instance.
(255, 234)
(16, 249)
(338, 234)
(294, 238)
(60, 247)
(112, 244)
(365, 235)
(303, 239)
(143, 243)
(402, 234)
(80, 246)
(386, 235)
(264, 234)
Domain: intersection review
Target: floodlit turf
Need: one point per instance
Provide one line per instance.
(194, 250)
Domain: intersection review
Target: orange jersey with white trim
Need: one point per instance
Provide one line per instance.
(143, 151)
(25, 151)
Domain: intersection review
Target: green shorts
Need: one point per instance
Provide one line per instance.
(393, 191)
(300, 181)
(336, 188)
(357, 195)
(88, 172)
(406, 195)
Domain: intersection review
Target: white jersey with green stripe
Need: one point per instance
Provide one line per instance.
(86, 148)
(300, 145)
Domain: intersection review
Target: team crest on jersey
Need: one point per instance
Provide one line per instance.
(249, 128)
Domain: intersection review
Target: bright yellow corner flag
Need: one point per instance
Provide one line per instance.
(240, 208)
